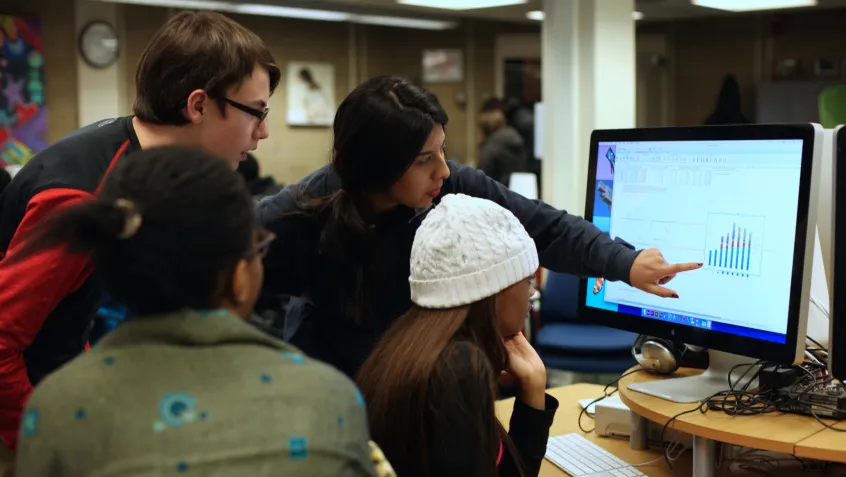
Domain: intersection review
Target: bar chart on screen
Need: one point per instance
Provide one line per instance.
(734, 244)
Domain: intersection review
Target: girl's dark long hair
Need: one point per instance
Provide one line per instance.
(379, 130)
(196, 223)
(452, 354)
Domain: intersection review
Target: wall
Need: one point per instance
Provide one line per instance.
(357, 52)
(704, 50)
(808, 36)
(145, 22)
(476, 39)
(703, 57)
(388, 56)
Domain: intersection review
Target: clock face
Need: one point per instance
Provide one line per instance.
(99, 44)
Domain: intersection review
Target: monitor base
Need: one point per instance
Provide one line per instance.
(715, 379)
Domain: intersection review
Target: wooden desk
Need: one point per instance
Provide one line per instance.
(565, 423)
(825, 445)
(794, 434)
(774, 432)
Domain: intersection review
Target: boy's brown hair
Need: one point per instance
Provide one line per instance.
(196, 50)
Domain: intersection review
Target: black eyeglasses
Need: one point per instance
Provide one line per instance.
(261, 115)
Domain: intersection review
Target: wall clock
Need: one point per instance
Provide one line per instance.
(99, 44)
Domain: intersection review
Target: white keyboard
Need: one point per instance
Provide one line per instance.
(580, 457)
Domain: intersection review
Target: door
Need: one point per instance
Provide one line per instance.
(653, 81)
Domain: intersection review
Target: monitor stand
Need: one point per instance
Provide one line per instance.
(697, 388)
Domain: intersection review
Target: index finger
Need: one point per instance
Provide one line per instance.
(683, 267)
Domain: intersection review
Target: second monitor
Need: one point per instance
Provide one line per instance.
(837, 318)
(741, 200)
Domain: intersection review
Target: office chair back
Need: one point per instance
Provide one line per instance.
(832, 106)
(559, 299)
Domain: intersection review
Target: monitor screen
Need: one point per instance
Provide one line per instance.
(729, 204)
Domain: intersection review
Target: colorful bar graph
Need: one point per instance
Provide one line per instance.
(734, 256)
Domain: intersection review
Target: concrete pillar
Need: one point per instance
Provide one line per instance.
(588, 49)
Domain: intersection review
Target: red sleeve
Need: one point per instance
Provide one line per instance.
(30, 289)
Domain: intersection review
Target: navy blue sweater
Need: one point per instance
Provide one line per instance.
(566, 243)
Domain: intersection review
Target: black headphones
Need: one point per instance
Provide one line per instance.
(665, 356)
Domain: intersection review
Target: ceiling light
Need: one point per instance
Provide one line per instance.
(538, 15)
(751, 5)
(291, 12)
(418, 23)
(198, 4)
(461, 4)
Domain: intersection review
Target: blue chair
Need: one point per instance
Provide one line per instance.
(567, 343)
(107, 318)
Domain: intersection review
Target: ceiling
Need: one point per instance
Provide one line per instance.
(652, 9)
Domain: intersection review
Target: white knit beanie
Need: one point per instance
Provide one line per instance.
(467, 249)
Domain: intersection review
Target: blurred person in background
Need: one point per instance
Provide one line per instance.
(259, 186)
(502, 151)
(522, 118)
(728, 108)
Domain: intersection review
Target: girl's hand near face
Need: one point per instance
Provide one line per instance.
(526, 367)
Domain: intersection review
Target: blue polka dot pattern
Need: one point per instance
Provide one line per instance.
(359, 399)
(265, 378)
(29, 423)
(109, 360)
(340, 420)
(80, 413)
(299, 448)
(296, 358)
(176, 408)
(204, 415)
(182, 467)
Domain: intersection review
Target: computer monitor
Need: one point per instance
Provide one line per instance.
(837, 308)
(739, 199)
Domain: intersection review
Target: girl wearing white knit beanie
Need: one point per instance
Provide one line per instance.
(431, 382)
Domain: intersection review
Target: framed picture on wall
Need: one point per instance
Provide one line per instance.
(827, 68)
(23, 112)
(443, 66)
(787, 69)
(310, 91)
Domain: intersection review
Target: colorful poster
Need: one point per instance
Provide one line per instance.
(23, 114)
